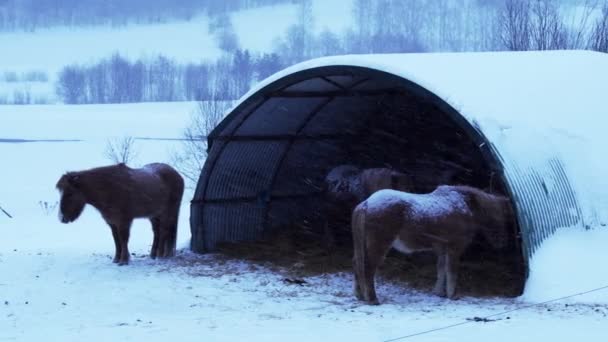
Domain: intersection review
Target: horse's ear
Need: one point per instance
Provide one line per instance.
(74, 180)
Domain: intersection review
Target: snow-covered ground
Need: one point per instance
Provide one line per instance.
(57, 282)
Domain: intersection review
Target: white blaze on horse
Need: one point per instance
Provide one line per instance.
(122, 194)
(444, 221)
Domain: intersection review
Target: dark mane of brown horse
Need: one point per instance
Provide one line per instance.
(491, 211)
(121, 193)
(445, 221)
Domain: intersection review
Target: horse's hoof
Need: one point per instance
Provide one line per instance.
(439, 293)
(373, 302)
(123, 263)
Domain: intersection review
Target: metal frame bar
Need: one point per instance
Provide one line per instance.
(336, 93)
(214, 161)
(334, 83)
(293, 139)
(202, 202)
(281, 137)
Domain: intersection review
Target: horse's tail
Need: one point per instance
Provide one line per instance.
(175, 199)
(360, 255)
(175, 183)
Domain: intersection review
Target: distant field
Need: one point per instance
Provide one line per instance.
(48, 51)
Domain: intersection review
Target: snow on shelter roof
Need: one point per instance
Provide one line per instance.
(544, 113)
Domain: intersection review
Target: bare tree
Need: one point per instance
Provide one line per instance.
(190, 159)
(306, 22)
(514, 22)
(328, 43)
(547, 30)
(580, 30)
(538, 25)
(598, 39)
(363, 13)
(121, 150)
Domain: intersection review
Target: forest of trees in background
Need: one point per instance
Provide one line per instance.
(380, 26)
(30, 15)
(118, 80)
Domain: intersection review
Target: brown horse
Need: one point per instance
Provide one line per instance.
(348, 185)
(122, 194)
(444, 221)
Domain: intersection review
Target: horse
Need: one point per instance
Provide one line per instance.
(348, 185)
(121, 194)
(444, 221)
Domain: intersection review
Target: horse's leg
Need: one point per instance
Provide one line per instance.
(452, 263)
(164, 237)
(116, 242)
(123, 234)
(357, 282)
(172, 228)
(377, 250)
(155, 221)
(440, 284)
(167, 239)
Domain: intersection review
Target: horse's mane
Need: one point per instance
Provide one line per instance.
(493, 210)
(91, 178)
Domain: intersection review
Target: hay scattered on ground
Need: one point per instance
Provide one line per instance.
(483, 273)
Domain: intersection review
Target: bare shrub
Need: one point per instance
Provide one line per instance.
(548, 31)
(121, 150)
(190, 159)
(48, 208)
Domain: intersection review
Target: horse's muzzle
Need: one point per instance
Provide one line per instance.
(63, 218)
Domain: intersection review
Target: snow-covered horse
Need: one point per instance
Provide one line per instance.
(348, 185)
(121, 194)
(444, 221)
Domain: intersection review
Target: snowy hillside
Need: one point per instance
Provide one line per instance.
(57, 281)
(49, 50)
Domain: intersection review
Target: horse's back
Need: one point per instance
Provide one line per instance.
(170, 180)
(166, 172)
(384, 178)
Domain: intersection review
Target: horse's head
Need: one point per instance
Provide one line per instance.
(496, 217)
(72, 199)
(343, 181)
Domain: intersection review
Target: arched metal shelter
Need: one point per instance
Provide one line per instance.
(529, 123)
